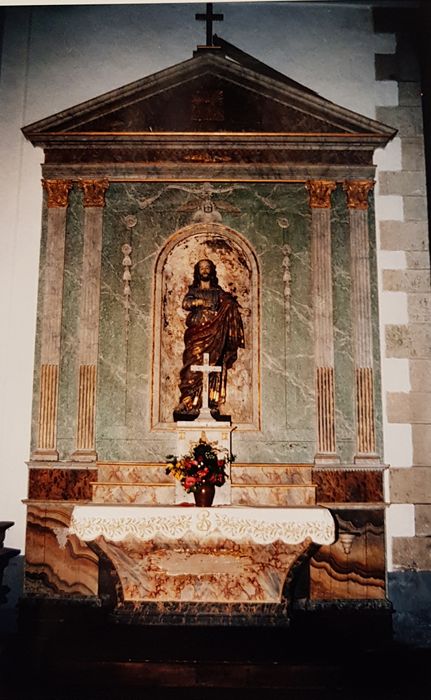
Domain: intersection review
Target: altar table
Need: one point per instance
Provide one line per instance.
(218, 554)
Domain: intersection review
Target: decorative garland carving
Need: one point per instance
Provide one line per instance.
(130, 222)
(286, 281)
(357, 193)
(94, 192)
(320, 193)
(202, 205)
(57, 192)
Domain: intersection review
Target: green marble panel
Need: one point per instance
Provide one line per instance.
(37, 349)
(276, 220)
(271, 217)
(68, 381)
(375, 327)
(344, 371)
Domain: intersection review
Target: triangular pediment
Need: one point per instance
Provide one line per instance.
(211, 92)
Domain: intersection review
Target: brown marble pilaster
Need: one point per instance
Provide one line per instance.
(94, 202)
(320, 203)
(357, 202)
(57, 201)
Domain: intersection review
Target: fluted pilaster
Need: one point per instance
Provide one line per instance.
(357, 201)
(320, 203)
(88, 341)
(52, 302)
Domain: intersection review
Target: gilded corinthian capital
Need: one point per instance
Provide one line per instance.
(319, 192)
(57, 192)
(94, 192)
(357, 193)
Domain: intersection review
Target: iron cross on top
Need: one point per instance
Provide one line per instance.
(209, 18)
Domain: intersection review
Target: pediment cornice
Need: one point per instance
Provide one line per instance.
(264, 117)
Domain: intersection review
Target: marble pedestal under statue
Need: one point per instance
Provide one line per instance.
(220, 554)
(218, 435)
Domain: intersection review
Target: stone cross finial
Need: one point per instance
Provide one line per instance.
(209, 18)
(206, 370)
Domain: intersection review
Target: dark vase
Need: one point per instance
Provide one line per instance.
(204, 495)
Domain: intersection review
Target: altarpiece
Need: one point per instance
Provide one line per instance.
(219, 158)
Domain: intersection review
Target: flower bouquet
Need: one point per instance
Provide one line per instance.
(203, 467)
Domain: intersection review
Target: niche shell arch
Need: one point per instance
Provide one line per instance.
(238, 273)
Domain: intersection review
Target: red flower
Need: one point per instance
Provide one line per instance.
(189, 482)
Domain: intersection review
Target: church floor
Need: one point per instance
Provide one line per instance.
(65, 659)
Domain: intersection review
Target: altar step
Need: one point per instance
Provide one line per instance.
(67, 651)
(281, 485)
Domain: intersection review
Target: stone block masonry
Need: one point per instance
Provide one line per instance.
(412, 341)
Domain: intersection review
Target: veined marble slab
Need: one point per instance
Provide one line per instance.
(133, 473)
(278, 496)
(271, 474)
(139, 494)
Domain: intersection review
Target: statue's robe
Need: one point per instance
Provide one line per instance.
(218, 331)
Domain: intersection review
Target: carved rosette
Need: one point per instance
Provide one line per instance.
(94, 192)
(357, 193)
(319, 192)
(57, 193)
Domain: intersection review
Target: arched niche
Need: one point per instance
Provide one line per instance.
(238, 273)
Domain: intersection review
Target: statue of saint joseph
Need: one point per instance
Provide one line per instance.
(213, 326)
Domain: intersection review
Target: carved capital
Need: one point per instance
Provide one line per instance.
(357, 193)
(58, 192)
(94, 192)
(319, 192)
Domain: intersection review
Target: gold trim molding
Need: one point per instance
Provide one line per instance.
(357, 193)
(319, 192)
(57, 192)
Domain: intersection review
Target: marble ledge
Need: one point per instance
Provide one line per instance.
(351, 467)
(346, 505)
(54, 502)
(69, 465)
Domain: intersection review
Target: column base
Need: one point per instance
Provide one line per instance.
(44, 455)
(364, 458)
(327, 458)
(84, 456)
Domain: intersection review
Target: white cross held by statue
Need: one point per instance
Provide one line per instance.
(206, 370)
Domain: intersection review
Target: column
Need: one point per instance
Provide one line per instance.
(52, 302)
(320, 203)
(357, 202)
(88, 333)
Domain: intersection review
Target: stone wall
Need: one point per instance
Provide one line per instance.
(405, 280)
